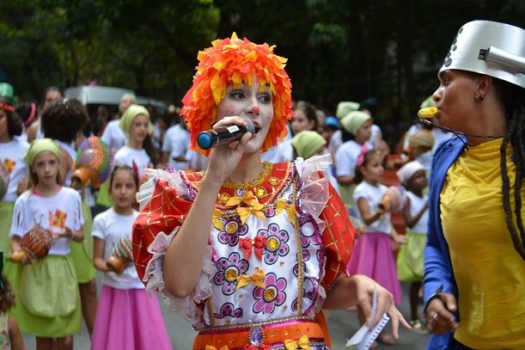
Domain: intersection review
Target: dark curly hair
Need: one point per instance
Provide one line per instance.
(7, 300)
(64, 120)
(14, 122)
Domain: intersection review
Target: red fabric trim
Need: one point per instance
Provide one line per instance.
(338, 238)
(164, 212)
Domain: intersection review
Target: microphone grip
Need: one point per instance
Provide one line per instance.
(227, 134)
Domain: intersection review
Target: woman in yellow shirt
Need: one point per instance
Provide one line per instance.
(475, 255)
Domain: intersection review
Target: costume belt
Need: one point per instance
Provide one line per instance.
(292, 335)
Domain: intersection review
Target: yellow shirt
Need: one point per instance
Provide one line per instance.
(489, 272)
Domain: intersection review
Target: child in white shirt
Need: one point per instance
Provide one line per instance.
(127, 316)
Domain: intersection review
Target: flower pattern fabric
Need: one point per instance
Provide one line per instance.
(232, 231)
(228, 270)
(271, 296)
(276, 240)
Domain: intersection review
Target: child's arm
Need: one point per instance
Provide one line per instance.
(77, 235)
(396, 237)
(98, 254)
(366, 215)
(17, 342)
(410, 220)
(16, 249)
(345, 180)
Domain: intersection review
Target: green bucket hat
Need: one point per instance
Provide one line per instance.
(354, 121)
(343, 108)
(40, 145)
(307, 143)
(130, 114)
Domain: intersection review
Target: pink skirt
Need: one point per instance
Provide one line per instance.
(129, 319)
(372, 256)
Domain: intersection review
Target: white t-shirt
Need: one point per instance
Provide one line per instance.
(12, 155)
(133, 158)
(176, 144)
(197, 161)
(346, 158)
(64, 209)
(111, 227)
(114, 137)
(376, 135)
(416, 203)
(374, 196)
(283, 152)
(272, 155)
(335, 142)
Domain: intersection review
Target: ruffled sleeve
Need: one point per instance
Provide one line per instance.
(321, 200)
(338, 238)
(164, 204)
(165, 200)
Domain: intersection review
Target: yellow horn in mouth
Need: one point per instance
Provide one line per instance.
(427, 113)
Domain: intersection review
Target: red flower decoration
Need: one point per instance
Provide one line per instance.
(258, 245)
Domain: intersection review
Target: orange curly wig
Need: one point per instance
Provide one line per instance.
(235, 61)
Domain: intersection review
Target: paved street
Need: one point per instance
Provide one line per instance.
(342, 326)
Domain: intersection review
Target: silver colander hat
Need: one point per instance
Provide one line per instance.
(491, 48)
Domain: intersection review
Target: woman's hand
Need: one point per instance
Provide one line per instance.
(359, 290)
(365, 289)
(440, 314)
(223, 159)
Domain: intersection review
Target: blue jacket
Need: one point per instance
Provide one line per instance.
(439, 275)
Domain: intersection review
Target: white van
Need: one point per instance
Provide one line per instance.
(93, 97)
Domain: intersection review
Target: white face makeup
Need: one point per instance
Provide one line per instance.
(248, 101)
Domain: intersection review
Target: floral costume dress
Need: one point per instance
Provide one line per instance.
(276, 246)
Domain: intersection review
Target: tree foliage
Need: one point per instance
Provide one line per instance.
(337, 49)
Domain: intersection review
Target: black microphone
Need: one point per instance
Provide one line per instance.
(225, 134)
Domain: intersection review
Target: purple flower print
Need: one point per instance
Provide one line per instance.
(320, 256)
(271, 296)
(269, 212)
(310, 295)
(275, 243)
(228, 270)
(309, 231)
(296, 267)
(227, 310)
(231, 232)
